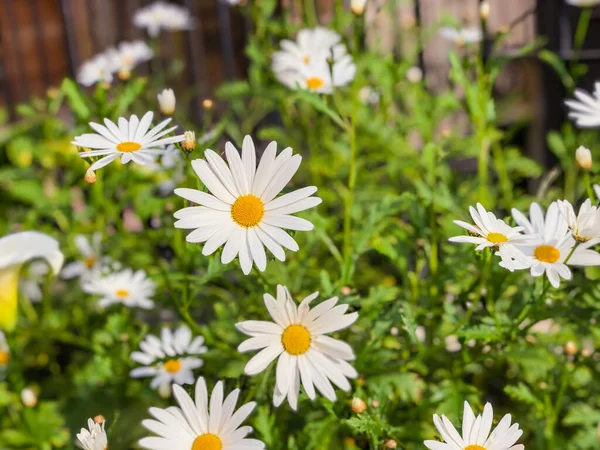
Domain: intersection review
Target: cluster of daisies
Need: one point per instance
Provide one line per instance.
(545, 244)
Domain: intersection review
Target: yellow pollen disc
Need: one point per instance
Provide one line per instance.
(207, 442)
(315, 83)
(172, 366)
(4, 358)
(128, 147)
(248, 210)
(306, 59)
(474, 447)
(546, 253)
(123, 293)
(90, 261)
(295, 339)
(496, 238)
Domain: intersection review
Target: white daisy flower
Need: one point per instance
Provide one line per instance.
(476, 432)
(162, 16)
(4, 351)
(489, 231)
(31, 284)
(469, 35)
(99, 69)
(129, 55)
(585, 225)
(319, 78)
(169, 359)
(242, 211)
(197, 426)
(91, 256)
(15, 250)
(585, 109)
(132, 140)
(584, 3)
(312, 45)
(132, 289)
(95, 438)
(297, 337)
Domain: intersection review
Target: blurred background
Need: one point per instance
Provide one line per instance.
(42, 41)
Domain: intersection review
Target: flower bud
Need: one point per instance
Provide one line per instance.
(29, 397)
(571, 348)
(358, 405)
(375, 403)
(164, 390)
(598, 431)
(583, 156)
(99, 419)
(358, 6)
(166, 101)
(124, 73)
(484, 10)
(90, 176)
(207, 103)
(414, 74)
(189, 141)
(390, 444)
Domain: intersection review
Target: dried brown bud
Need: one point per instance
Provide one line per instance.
(90, 176)
(99, 419)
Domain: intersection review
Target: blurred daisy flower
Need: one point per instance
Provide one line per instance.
(466, 35)
(128, 55)
(242, 211)
(132, 289)
(99, 69)
(90, 262)
(585, 108)
(585, 225)
(317, 61)
(597, 190)
(15, 250)
(169, 359)
(94, 438)
(4, 351)
(297, 337)
(31, 284)
(489, 231)
(162, 16)
(476, 432)
(131, 140)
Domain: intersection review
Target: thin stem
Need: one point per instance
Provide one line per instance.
(349, 202)
(482, 168)
(311, 13)
(588, 186)
(580, 33)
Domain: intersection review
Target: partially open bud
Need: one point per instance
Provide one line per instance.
(90, 176)
(166, 101)
(99, 419)
(164, 390)
(124, 73)
(414, 74)
(583, 156)
(207, 103)
(189, 142)
(484, 10)
(29, 397)
(358, 405)
(571, 348)
(358, 6)
(391, 444)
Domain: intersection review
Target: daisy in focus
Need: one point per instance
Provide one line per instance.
(129, 55)
(93, 438)
(4, 351)
(90, 262)
(129, 288)
(170, 359)
(317, 61)
(476, 432)
(242, 213)
(162, 16)
(99, 69)
(297, 338)
(489, 231)
(466, 35)
(585, 225)
(204, 424)
(132, 140)
(585, 108)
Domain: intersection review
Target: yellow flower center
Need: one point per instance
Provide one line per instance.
(4, 358)
(474, 447)
(306, 59)
(128, 147)
(496, 238)
(122, 293)
(90, 261)
(546, 253)
(207, 441)
(315, 83)
(172, 366)
(248, 210)
(295, 339)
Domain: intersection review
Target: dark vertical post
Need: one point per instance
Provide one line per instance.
(70, 41)
(419, 25)
(226, 39)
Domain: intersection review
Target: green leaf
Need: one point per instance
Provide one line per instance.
(556, 62)
(76, 100)
(131, 92)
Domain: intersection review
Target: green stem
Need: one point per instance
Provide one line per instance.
(580, 33)
(505, 183)
(588, 186)
(482, 168)
(349, 203)
(311, 13)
